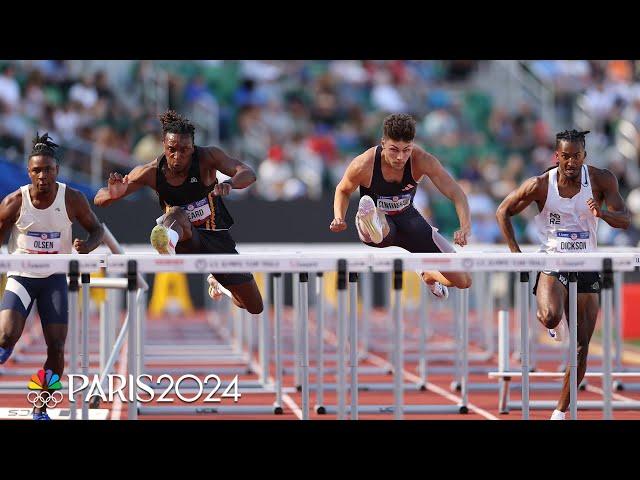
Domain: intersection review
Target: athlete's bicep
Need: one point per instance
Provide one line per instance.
(521, 198)
(224, 163)
(442, 179)
(141, 176)
(9, 211)
(353, 177)
(612, 197)
(83, 213)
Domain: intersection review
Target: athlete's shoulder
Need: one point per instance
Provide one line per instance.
(602, 178)
(13, 198)
(366, 158)
(537, 184)
(74, 194)
(146, 170)
(12, 203)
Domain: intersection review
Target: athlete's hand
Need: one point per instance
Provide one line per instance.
(594, 207)
(338, 225)
(460, 236)
(222, 189)
(117, 185)
(80, 246)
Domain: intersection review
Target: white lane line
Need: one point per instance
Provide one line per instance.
(116, 411)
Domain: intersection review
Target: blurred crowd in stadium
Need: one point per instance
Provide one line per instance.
(298, 123)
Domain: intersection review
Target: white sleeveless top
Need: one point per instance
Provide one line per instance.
(41, 230)
(566, 225)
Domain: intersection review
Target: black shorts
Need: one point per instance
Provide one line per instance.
(409, 230)
(588, 282)
(205, 241)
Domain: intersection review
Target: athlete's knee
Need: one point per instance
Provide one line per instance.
(549, 318)
(464, 281)
(174, 212)
(5, 353)
(256, 307)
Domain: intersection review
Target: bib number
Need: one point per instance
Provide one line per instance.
(572, 242)
(43, 242)
(198, 212)
(393, 204)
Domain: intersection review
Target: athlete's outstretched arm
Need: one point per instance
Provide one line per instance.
(85, 216)
(119, 187)
(242, 175)
(450, 189)
(617, 215)
(351, 180)
(9, 212)
(513, 204)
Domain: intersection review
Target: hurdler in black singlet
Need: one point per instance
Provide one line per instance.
(390, 197)
(407, 227)
(205, 210)
(208, 215)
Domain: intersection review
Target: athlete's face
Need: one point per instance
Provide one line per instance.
(570, 156)
(43, 172)
(396, 152)
(178, 149)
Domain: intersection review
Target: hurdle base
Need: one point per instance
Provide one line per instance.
(582, 405)
(220, 410)
(406, 409)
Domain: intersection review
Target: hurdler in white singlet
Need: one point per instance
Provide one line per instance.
(41, 230)
(566, 225)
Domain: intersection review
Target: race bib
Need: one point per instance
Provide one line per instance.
(198, 212)
(42, 242)
(572, 242)
(394, 204)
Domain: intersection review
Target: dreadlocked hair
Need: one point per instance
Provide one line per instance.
(571, 136)
(173, 122)
(43, 145)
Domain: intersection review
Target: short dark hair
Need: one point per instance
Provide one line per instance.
(173, 122)
(571, 136)
(399, 127)
(43, 145)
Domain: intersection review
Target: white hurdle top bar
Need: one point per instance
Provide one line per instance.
(322, 262)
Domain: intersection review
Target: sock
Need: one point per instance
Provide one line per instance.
(557, 415)
(5, 353)
(173, 236)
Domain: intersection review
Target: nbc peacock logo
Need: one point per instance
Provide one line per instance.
(40, 384)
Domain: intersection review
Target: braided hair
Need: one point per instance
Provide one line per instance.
(43, 145)
(173, 122)
(571, 136)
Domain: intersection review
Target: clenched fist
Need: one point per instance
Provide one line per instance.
(80, 246)
(222, 189)
(460, 236)
(338, 225)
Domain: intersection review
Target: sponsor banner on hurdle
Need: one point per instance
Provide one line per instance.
(51, 263)
(267, 262)
(506, 262)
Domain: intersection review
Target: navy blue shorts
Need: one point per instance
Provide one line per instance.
(49, 292)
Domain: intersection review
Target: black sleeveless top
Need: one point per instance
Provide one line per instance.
(390, 197)
(205, 210)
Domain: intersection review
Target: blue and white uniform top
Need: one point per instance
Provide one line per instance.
(41, 230)
(566, 225)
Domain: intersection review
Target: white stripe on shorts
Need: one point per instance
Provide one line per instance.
(16, 287)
